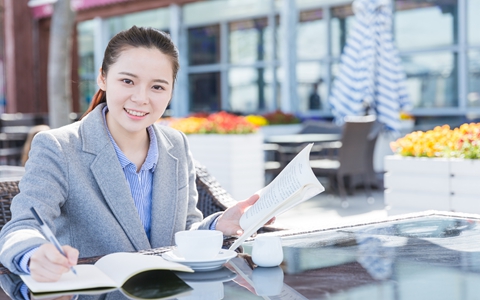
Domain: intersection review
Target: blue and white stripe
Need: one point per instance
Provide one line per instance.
(371, 72)
(140, 183)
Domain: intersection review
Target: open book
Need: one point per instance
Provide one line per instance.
(295, 184)
(113, 271)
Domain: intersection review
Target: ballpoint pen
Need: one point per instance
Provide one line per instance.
(48, 233)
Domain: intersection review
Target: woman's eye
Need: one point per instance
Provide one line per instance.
(127, 81)
(158, 87)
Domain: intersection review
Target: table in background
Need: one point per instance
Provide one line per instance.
(433, 255)
(298, 139)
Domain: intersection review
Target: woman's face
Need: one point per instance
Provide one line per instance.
(138, 87)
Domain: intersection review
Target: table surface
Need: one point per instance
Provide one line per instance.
(303, 138)
(432, 255)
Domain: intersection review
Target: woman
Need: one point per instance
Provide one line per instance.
(113, 181)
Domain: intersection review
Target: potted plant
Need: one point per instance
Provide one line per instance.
(436, 169)
(229, 146)
(279, 122)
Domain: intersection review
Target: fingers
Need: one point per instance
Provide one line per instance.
(251, 200)
(47, 264)
(72, 255)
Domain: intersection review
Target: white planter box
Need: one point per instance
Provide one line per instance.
(235, 160)
(280, 129)
(418, 184)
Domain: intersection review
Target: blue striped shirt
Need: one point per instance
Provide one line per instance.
(141, 183)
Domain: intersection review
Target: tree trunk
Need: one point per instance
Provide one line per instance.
(60, 64)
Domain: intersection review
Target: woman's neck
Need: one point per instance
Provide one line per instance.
(134, 145)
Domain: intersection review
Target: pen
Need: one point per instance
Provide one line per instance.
(48, 233)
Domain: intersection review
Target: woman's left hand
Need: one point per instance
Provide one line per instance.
(229, 221)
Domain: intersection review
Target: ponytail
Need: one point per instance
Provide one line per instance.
(99, 97)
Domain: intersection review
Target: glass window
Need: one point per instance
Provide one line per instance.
(248, 41)
(432, 79)
(250, 89)
(311, 35)
(86, 67)
(156, 18)
(473, 96)
(205, 92)
(473, 21)
(204, 45)
(425, 23)
(312, 89)
(342, 17)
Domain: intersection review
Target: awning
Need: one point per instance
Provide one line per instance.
(44, 8)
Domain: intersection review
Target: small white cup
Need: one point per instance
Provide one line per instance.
(267, 251)
(199, 244)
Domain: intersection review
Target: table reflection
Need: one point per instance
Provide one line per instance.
(429, 256)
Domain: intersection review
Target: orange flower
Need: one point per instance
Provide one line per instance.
(219, 123)
(441, 141)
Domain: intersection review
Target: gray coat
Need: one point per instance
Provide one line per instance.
(74, 180)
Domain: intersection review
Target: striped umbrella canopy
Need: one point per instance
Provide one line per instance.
(371, 74)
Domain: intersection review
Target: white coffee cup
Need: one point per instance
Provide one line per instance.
(199, 244)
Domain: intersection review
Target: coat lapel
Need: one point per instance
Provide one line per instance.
(110, 178)
(164, 194)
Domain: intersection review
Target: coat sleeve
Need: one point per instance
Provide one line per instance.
(44, 187)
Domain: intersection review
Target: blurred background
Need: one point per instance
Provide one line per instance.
(250, 56)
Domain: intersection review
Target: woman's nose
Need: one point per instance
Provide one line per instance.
(140, 96)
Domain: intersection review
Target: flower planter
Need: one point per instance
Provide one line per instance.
(235, 160)
(417, 184)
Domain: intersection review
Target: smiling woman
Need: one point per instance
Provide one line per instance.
(113, 181)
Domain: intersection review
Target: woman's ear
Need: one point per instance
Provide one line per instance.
(101, 80)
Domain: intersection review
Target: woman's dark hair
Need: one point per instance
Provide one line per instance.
(137, 37)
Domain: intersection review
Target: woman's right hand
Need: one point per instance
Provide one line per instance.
(47, 264)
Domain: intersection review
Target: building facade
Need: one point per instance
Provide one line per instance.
(254, 56)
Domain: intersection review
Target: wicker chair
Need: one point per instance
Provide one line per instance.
(211, 196)
(8, 190)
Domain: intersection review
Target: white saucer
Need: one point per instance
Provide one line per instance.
(202, 265)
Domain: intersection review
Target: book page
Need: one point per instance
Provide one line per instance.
(123, 265)
(295, 184)
(88, 276)
(296, 181)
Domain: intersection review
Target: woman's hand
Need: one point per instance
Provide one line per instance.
(47, 264)
(229, 221)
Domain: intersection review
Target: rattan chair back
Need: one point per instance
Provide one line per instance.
(8, 190)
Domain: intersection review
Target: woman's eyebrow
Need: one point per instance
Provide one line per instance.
(135, 76)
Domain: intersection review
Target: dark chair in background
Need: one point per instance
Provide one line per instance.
(351, 156)
(312, 126)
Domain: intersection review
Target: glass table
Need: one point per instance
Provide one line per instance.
(430, 255)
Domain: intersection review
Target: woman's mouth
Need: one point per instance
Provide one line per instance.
(135, 113)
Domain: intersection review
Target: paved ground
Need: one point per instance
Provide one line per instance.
(325, 210)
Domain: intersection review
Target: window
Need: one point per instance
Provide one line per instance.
(432, 79)
(250, 89)
(249, 41)
(204, 45)
(473, 95)
(311, 35)
(311, 88)
(205, 92)
(473, 9)
(86, 66)
(425, 23)
(342, 17)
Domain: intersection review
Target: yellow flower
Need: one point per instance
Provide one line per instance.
(257, 120)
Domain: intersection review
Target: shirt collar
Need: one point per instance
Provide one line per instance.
(152, 154)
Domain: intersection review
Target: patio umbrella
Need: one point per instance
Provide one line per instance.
(371, 76)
